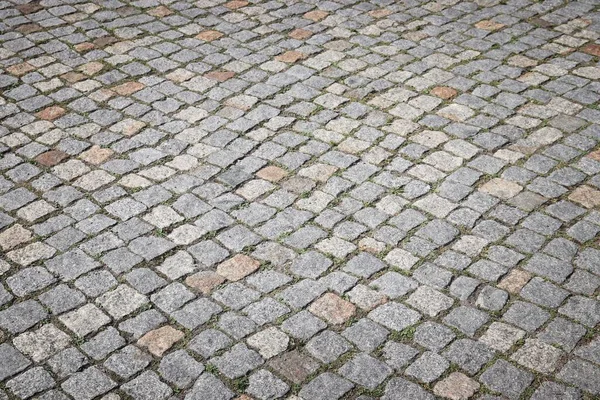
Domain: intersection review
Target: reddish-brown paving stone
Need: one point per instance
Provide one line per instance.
(380, 13)
(333, 308)
(235, 4)
(209, 36)
(26, 29)
(51, 113)
(85, 46)
(160, 11)
(593, 49)
(489, 25)
(586, 196)
(29, 8)
(515, 281)
(238, 267)
(444, 92)
(594, 155)
(300, 34)
(316, 15)
(20, 69)
(220, 76)
(96, 155)
(160, 340)
(272, 173)
(294, 366)
(204, 281)
(51, 158)
(457, 386)
(128, 88)
(290, 56)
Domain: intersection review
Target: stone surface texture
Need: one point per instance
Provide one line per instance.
(307, 199)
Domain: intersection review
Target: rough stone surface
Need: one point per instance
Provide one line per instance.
(303, 199)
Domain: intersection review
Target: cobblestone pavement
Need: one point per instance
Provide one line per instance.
(207, 200)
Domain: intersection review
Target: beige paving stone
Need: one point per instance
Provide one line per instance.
(457, 386)
(380, 13)
(96, 155)
(160, 340)
(586, 196)
(501, 188)
(515, 281)
(272, 173)
(333, 308)
(220, 76)
(489, 25)
(204, 281)
(160, 11)
(209, 36)
(291, 56)
(444, 92)
(539, 356)
(128, 88)
(14, 236)
(238, 267)
(316, 15)
(235, 4)
(300, 34)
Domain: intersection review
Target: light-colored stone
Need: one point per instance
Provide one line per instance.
(515, 281)
(333, 308)
(291, 56)
(489, 25)
(204, 281)
(121, 301)
(318, 172)
(238, 267)
(272, 173)
(84, 320)
(14, 236)
(31, 253)
(300, 34)
(586, 196)
(501, 337)
(501, 188)
(209, 36)
(457, 386)
(42, 343)
(538, 356)
(269, 342)
(160, 340)
(444, 92)
(316, 15)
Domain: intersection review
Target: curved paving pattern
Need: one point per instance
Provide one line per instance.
(206, 200)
